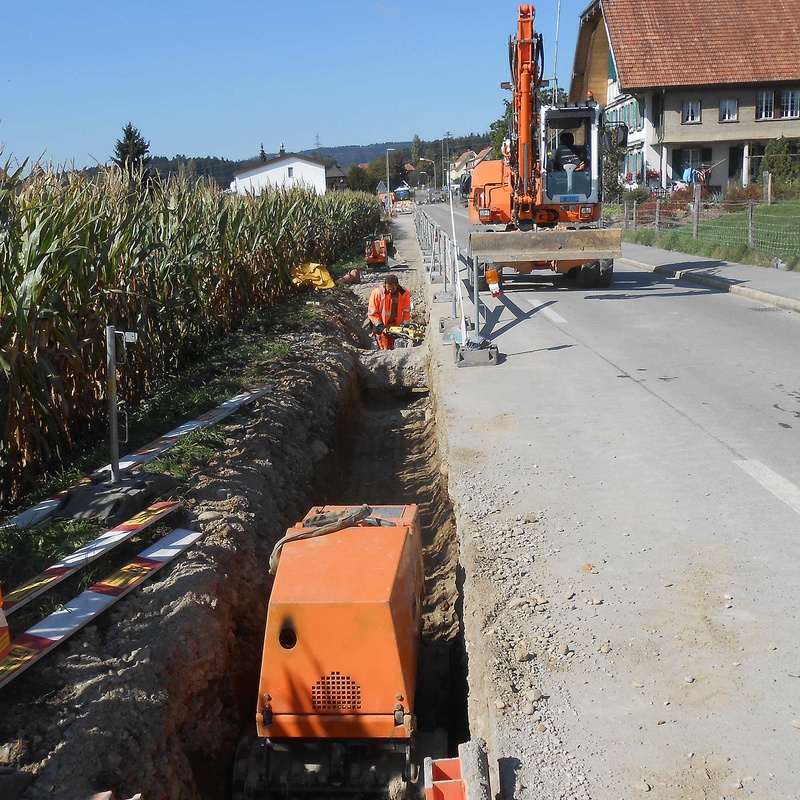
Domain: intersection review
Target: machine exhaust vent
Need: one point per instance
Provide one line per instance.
(336, 692)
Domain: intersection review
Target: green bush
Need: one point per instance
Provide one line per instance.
(640, 195)
(646, 237)
(738, 194)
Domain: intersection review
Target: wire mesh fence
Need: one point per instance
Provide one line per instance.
(770, 229)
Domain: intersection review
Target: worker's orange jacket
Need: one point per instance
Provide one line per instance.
(380, 306)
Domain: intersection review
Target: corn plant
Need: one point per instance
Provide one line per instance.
(180, 264)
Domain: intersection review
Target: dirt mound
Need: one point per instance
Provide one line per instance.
(153, 697)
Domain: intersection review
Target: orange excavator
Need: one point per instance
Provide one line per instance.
(377, 249)
(335, 709)
(547, 188)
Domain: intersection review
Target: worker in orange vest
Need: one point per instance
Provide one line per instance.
(389, 306)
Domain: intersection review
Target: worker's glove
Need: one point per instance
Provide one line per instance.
(379, 327)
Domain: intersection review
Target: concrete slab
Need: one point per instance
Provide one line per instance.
(468, 357)
(112, 503)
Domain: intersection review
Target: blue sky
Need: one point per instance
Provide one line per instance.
(211, 78)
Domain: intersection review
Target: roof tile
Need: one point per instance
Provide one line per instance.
(690, 43)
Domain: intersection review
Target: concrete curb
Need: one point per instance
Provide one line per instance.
(787, 303)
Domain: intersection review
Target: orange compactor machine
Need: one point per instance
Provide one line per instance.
(335, 713)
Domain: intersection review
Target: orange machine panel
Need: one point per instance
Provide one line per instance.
(342, 634)
(490, 201)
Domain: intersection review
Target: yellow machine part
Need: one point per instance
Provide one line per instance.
(414, 333)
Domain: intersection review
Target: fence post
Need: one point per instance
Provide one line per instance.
(634, 215)
(751, 225)
(111, 383)
(696, 214)
(767, 178)
(658, 213)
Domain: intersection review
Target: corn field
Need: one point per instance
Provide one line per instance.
(180, 265)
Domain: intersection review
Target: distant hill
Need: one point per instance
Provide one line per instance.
(347, 155)
(221, 170)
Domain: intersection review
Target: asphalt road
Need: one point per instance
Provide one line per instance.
(658, 425)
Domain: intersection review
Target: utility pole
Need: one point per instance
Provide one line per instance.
(447, 136)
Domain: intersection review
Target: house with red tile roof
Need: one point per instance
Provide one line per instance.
(457, 167)
(702, 85)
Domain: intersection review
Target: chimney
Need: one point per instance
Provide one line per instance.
(282, 151)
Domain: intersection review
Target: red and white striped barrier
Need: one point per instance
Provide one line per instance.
(44, 636)
(61, 570)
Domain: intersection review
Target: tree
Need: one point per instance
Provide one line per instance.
(131, 151)
(415, 147)
(358, 180)
(549, 97)
(780, 158)
(262, 156)
(612, 158)
(499, 130)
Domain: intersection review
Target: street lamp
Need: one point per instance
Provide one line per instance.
(388, 189)
(449, 177)
(430, 161)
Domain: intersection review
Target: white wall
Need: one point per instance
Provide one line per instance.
(304, 173)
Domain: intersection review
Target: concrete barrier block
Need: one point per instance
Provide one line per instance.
(467, 357)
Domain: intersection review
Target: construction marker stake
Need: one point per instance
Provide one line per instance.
(41, 511)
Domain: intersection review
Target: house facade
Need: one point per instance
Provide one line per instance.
(699, 86)
(283, 172)
(457, 168)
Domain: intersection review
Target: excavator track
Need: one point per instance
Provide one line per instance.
(319, 769)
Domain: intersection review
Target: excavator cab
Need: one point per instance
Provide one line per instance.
(572, 167)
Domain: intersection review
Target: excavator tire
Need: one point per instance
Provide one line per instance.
(589, 275)
(606, 276)
(596, 274)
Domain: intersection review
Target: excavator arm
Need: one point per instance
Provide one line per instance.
(550, 210)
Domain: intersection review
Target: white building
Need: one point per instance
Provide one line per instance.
(284, 172)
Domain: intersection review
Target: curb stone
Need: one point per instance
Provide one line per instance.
(787, 303)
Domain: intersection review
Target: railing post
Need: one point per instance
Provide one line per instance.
(657, 222)
(751, 225)
(111, 383)
(634, 215)
(696, 215)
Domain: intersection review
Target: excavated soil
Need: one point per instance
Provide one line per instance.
(154, 696)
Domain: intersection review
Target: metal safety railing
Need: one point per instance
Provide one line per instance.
(444, 263)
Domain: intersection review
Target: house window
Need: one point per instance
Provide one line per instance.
(790, 103)
(691, 112)
(692, 157)
(658, 110)
(765, 105)
(728, 110)
(291, 172)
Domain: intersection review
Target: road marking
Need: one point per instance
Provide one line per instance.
(552, 316)
(778, 485)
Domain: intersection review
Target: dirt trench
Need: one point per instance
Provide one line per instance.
(154, 696)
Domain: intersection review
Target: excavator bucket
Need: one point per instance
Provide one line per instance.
(577, 246)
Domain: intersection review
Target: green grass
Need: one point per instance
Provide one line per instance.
(199, 446)
(777, 234)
